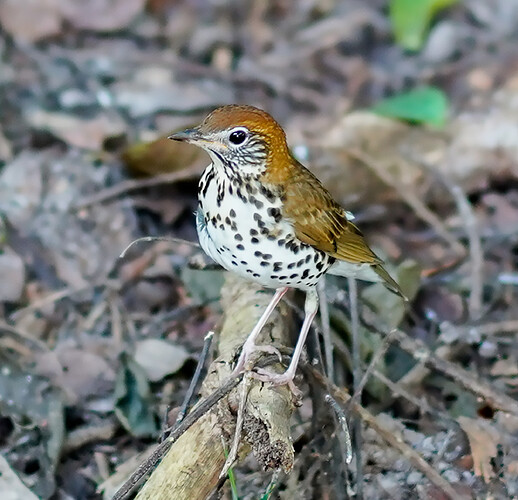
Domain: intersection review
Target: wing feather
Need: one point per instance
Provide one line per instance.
(320, 222)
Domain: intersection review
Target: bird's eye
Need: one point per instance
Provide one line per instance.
(238, 136)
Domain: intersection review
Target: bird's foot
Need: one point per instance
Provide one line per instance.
(277, 379)
(249, 352)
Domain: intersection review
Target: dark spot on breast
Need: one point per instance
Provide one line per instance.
(257, 253)
(281, 242)
(305, 274)
(308, 258)
(218, 217)
(265, 263)
(240, 247)
(222, 227)
(277, 266)
(256, 275)
(244, 262)
(292, 276)
(234, 263)
(254, 240)
(241, 196)
(258, 203)
(257, 217)
(291, 265)
(227, 221)
(238, 237)
(274, 276)
(275, 213)
(232, 213)
(283, 277)
(267, 193)
(267, 256)
(253, 232)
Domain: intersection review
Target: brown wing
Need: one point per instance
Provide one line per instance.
(320, 222)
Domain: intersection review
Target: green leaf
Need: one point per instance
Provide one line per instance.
(411, 20)
(423, 105)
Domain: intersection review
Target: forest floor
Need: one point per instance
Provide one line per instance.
(95, 348)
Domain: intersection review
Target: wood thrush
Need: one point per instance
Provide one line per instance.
(266, 217)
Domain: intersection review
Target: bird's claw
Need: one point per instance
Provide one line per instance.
(277, 379)
(247, 355)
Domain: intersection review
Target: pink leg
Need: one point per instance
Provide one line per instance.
(249, 346)
(310, 310)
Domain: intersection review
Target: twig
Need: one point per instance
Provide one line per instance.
(193, 386)
(421, 210)
(475, 250)
(469, 381)
(326, 329)
(148, 239)
(88, 434)
(470, 223)
(510, 326)
(207, 341)
(342, 421)
(399, 391)
(393, 439)
(129, 185)
(203, 407)
(55, 297)
(357, 373)
(371, 367)
(245, 388)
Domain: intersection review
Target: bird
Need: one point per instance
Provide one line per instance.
(263, 215)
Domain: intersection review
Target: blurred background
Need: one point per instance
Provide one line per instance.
(407, 110)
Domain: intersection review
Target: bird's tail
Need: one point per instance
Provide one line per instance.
(388, 281)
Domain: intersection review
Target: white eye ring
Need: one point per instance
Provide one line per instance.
(238, 136)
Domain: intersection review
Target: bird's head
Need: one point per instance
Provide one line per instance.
(243, 139)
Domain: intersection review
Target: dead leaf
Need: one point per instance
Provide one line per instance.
(385, 141)
(6, 150)
(30, 20)
(81, 133)
(160, 156)
(21, 187)
(504, 367)
(11, 485)
(159, 358)
(483, 440)
(141, 97)
(12, 271)
(101, 15)
(512, 468)
(85, 374)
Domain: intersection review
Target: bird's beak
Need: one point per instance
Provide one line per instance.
(189, 135)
